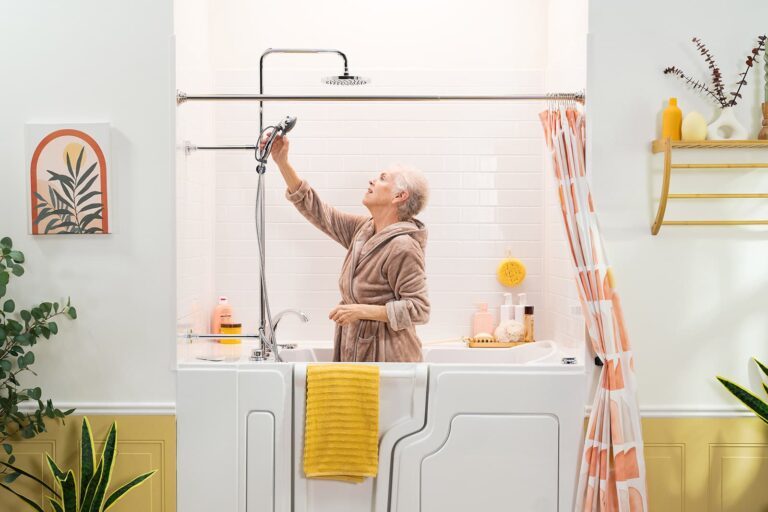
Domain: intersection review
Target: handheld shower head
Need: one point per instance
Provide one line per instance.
(286, 125)
(346, 79)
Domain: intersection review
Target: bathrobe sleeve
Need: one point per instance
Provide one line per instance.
(406, 274)
(338, 225)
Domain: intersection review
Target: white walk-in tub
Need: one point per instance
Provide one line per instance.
(468, 429)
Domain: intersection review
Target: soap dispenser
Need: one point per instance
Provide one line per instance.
(520, 307)
(506, 309)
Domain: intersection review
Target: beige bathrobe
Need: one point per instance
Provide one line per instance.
(386, 269)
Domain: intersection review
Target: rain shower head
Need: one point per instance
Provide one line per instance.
(346, 79)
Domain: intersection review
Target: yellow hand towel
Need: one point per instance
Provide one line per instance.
(341, 435)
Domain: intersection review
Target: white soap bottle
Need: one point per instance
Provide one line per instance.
(520, 307)
(506, 309)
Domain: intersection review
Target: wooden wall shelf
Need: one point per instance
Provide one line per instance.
(667, 146)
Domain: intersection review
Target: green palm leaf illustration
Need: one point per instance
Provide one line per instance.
(88, 219)
(88, 185)
(85, 175)
(87, 197)
(69, 166)
(66, 181)
(63, 200)
(55, 505)
(45, 212)
(79, 161)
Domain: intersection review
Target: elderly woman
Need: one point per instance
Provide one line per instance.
(383, 283)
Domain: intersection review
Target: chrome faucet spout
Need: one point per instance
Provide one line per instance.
(295, 312)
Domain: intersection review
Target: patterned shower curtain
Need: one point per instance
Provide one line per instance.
(612, 475)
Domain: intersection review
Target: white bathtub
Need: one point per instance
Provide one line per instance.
(468, 429)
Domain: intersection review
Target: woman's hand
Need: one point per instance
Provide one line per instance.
(279, 148)
(345, 314)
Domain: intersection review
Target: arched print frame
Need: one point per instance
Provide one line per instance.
(68, 179)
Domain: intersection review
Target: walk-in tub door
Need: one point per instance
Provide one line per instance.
(494, 463)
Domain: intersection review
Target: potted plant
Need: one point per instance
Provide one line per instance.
(95, 477)
(20, 331)
(757, 404)
(726, 126)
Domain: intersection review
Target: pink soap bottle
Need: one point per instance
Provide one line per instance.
(482, 320)
(222, 314)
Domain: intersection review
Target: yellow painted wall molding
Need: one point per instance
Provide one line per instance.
(144, 443)
(706, 464)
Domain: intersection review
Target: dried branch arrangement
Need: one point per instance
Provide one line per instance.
(716, 91)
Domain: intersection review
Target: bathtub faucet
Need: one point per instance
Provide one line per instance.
(262, 353)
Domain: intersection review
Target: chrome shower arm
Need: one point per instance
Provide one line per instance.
(270, 51)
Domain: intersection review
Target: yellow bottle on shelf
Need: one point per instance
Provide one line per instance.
(671, 121)
(231, 328)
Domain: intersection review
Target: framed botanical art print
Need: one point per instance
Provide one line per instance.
(69, 170)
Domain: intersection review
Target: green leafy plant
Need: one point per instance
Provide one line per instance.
(751, 400)
(91, 494)
(19, 332)
(70, 212)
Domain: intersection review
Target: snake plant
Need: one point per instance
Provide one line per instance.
(758, 405)
(91, 494)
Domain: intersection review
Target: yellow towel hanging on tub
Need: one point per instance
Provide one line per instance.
(341, 434)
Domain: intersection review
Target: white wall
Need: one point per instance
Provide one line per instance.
(84, 61)
(484, 161)
(694, 298)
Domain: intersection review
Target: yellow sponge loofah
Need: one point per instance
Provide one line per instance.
(511, 272)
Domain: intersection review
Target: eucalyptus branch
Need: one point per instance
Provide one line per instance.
(717, 92)
(694, 84)
(751, 59)
(717, 77)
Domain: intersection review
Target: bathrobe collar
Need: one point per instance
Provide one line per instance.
(372, 241)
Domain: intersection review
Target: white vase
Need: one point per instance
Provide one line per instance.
(694, 127)
(726, 127)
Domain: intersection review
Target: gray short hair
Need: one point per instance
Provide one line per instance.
(415, 183)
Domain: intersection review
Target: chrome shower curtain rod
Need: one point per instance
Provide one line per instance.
(182, 97)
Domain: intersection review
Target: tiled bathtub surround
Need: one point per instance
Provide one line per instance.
(485, 169)
(484, 160)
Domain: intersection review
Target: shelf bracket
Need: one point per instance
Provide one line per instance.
(667, 148)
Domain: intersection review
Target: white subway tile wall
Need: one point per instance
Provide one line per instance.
(489, 176)
(485, 165)
(195, 212)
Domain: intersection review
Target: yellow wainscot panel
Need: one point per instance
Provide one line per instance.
(143, 443)
(712, 464)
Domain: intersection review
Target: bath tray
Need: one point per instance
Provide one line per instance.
(489, 343)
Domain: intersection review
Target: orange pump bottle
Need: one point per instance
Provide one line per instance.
(222, 314)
